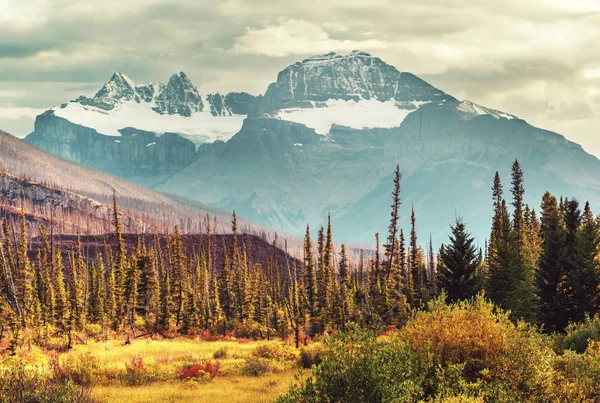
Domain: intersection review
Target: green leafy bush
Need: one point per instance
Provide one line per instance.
(465, 352)
(579, 335)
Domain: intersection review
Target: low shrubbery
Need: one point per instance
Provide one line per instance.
(204, 369)
(466, 352)
(221, 353)
(256, 366)
(311, 355)
(18, 383)
(80, 368)
(579, 335)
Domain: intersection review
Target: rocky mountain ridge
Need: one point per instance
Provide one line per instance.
(327, 136)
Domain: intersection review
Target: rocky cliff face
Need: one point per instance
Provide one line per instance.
(138, 155)
(179, 97)
(355, 76)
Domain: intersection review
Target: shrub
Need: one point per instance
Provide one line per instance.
(493, 350)
(255, 366)
(311, 355)
(357, 367)
(577, 376)
(81, 368)
(20, 384)
(221, 353)
(579, 335)
(275, 351)
(135, 372)
(204, 369)
(450, 353)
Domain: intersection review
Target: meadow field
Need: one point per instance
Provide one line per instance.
(171, 370)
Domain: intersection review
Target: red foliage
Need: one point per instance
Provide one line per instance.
(135, 365)
(199, 369)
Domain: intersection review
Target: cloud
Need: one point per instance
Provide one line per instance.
(297, 37)
(17, 113)
(537, 59)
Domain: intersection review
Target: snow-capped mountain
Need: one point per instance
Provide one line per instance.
(175, 107)
(355, 90)
(325, 137)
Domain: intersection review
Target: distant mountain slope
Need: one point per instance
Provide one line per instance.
(34, 177)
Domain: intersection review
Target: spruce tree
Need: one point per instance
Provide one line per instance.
(551, 289)
(458, 265)
(583, 279)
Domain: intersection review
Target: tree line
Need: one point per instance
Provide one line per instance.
(543, 269)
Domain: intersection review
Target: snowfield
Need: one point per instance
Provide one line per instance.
(201, 127)
(364, 114)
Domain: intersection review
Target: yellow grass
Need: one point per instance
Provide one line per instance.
(228, 386)
(229, 389)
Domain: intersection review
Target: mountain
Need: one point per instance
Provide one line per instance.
(328, 133)
(78, 197)
(145, 133)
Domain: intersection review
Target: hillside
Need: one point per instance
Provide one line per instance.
(35, 179)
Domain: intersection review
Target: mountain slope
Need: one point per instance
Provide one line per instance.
(38, 180)
(327, 135)
(448, 151)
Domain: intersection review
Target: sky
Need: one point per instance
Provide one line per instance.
(536, 59)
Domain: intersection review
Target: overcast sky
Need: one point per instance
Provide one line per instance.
(537, 59)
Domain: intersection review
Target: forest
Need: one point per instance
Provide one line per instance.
(536, 279)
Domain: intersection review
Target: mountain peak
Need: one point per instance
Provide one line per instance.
(179, 97)
(353, 76)
(118, 89)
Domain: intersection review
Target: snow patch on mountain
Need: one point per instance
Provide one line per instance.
(200, 127)
(470, 110)
(362, 114)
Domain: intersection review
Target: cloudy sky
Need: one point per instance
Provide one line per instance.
(537, 59)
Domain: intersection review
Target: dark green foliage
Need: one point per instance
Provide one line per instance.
(458, 264)
(579, 335)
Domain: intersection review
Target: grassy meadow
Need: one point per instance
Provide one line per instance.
(172, 370)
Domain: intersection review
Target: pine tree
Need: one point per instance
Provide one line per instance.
(583, 279)
(311, 281)
(458, 265)
(24, 276)
(178, 275)
(500, 255)
(119, 268)
(550, 276)
(418, 292)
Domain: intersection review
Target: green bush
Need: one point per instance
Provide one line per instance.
(579, 335)
(221, 353)
(25, 385)
(255, 366)
(466, 352)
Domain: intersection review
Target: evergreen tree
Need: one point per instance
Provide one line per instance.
(550, 276)
(458, 265)
(583, 282)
